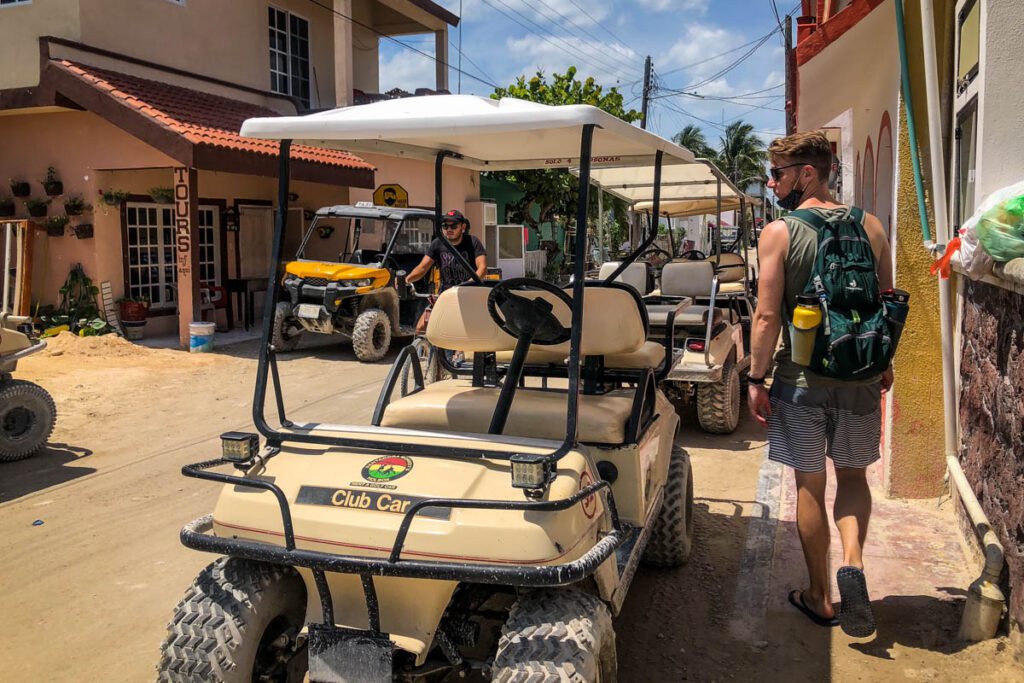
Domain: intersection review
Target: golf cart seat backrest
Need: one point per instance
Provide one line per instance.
(730, 267)
(687, 278)
(635, 275)
(614, 322)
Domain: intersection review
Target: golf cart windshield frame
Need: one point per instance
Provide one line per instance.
(267, 366)
(358, 214)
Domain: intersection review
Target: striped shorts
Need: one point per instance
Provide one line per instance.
(841, 422)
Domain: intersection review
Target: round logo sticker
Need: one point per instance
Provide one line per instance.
(590, 502)
(388, 468)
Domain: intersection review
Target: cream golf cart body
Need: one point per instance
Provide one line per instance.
(387, 550)
(703, 303)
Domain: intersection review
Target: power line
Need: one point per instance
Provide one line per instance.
(399, 42)
(715, 124)
(746, 55)
(569, 50)
(583, 30)
(719, 55)
(599, 24)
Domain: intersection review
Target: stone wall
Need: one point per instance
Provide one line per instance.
(992, 419)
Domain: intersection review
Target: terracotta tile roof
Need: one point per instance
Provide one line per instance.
(201, 118)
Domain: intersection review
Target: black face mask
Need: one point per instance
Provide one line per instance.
(792, 200)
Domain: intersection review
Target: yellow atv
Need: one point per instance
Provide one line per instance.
(336, 286)
(27, 411)
(489, 524)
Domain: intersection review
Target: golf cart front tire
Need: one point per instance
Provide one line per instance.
(554, 636)
(231, 614)
(27, 416)
(371, 335)
(672, 534)
(718, 403)
(282, 339)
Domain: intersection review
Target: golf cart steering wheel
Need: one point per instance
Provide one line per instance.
(694, 255)
(522, 315)
(656, 250)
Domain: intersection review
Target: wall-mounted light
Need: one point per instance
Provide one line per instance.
(229, 218)
(293, 196)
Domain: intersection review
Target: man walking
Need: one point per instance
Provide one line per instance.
(809, 416)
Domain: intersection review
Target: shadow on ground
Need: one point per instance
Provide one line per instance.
(922, 622)
(56, 464)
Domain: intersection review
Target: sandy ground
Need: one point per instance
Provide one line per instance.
(92, 566)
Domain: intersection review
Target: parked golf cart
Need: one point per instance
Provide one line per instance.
(480, 523)
(701, 302)
(336, 285)
(27, 411)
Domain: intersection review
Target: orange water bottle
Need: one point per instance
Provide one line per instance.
(806, 319)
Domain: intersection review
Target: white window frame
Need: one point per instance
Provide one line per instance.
(290, 55)
(161, 246)
(15, 3)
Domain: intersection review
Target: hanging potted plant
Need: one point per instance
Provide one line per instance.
(37, 208)
(162, 195)
(114, 197)
(51, 183)
(75, 205)
(20, 188)
(55, 225)
(83, 231)
(6, 207)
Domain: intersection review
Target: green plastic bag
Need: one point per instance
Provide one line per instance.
(1001, 230)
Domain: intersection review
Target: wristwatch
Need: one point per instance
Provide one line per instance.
(758, 381)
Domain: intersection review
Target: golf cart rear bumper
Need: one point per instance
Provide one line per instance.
(197, 536)
(9, 363)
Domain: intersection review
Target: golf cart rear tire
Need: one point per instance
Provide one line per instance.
(429, 365)
(27, 416)
(218, 627)
(281, 339)
(672, 534)
(371, 335)
(556, 635)
(718, 403)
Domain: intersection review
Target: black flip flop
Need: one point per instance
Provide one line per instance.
(808, 612)
(855, 615)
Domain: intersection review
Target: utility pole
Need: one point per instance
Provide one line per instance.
(459, 90)
(647, 92)
(790, 80)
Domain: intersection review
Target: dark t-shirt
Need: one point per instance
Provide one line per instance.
(452, 272)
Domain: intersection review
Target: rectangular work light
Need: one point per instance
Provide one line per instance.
(239, 446)
(530, 471)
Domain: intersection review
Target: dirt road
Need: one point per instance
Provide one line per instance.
(92, 565)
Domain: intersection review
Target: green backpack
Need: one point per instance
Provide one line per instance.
(854, 341)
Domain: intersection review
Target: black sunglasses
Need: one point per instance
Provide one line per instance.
(776, 171)
(449, 226)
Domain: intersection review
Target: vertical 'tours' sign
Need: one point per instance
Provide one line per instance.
(182, 218)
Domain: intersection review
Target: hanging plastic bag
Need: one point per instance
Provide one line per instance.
(1001, 229)
(974, 255)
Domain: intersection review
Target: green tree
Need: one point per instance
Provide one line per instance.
(692, 138)
(551, 195)
(742, 154)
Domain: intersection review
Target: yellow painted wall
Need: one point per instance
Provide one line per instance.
(20, 27)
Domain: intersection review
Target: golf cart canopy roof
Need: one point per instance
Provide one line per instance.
(488, 135)
(686, 190)
(381, 212)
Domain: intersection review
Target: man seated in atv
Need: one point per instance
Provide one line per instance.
(455, 227)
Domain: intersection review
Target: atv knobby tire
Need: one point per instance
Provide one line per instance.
(718, 403)
(286, 332)
(27, 415)
(672, 535)
(430, 365)
(556, 635)
(225, 628)
(371, 335)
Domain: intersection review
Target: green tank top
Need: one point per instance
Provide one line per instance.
(803, 248)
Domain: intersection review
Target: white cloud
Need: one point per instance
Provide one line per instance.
(698, 43)
(406, 70)
(698, 6)
(550, 14)
(532, 52)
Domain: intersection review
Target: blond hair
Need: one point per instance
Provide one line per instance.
(811, 148)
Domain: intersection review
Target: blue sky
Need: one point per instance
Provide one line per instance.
(502, 39)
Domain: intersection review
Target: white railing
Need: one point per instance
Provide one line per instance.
(535, 262)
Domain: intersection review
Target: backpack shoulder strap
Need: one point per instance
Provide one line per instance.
(809, 218)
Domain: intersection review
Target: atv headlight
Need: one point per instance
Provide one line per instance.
(530, 471)
(239, 446)
(365, 282)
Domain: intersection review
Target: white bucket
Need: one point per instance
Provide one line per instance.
(133, 329)
(200, 337)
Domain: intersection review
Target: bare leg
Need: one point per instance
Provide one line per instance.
(852, 511)
(815, 537)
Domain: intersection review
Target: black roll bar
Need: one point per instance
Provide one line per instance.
(656, 209)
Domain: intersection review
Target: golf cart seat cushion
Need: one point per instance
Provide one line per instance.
(687, 278)
(730, 267)
(612, 322)
(649, 355)
(635, 275)
(452, 405)
(689, 316)
(730, 287)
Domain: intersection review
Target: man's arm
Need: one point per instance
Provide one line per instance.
(420, 270)
(771, 288)
(481, 265)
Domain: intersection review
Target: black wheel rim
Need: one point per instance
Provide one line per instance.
(275, 653)
(379, 335)
(17, 422)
